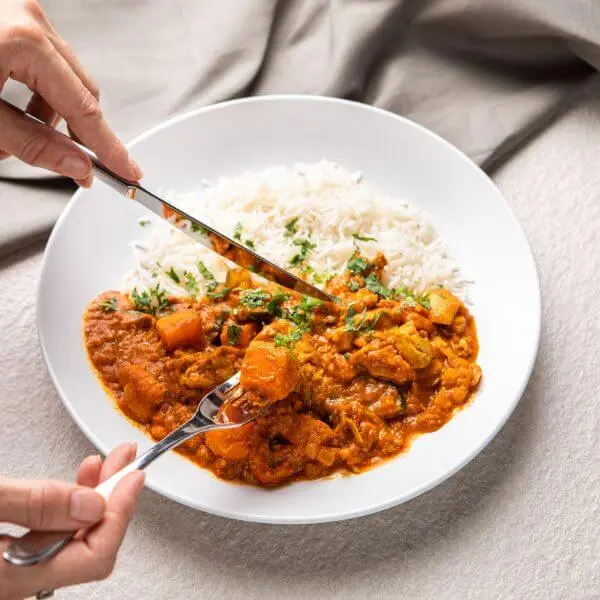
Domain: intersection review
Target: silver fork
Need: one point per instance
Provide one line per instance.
(38, 546)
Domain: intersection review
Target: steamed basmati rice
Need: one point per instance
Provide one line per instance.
(331, 204)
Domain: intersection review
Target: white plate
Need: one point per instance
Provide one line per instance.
(89, 252)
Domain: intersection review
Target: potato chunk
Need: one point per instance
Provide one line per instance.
(415, 349)
(443, 306)
(181, 328)
(269, 371)
(231, 444)
(142, 392)
(382, 360)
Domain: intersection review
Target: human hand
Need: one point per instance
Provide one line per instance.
(55, 506)
(32, 52)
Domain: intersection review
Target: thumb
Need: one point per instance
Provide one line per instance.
(49, 505)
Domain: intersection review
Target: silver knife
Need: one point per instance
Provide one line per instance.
(216, 241)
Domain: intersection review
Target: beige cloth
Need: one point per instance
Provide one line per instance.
(520, 522)
(486, 74)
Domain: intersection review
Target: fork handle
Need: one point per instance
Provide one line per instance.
(38, 546)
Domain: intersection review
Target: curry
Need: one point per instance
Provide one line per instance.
(347, 385)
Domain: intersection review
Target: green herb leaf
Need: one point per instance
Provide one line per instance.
(250, 244)
(288, 340)
(412, 299)
(306, 247)
(237, 232)
(222, 293)
(347, 355)
(322, 277)
(233, 334)
(301, 314)
(254, 298)
(360, 323)
(109, 305)
(357, 264)
(425, 302)
(150, 301)
(209, 278)
(144, 222)
(353, 285)
(190, 283)
(290, 227)
(198, 228)
(374, 284)
(363, 238)
(171, 273)
(274, 305)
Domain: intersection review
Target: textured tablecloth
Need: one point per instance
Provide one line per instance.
(520, 522)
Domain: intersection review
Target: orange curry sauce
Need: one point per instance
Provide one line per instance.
(348, 384)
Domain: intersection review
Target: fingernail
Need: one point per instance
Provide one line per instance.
(86, 505)
(74, 167)
(136, 169)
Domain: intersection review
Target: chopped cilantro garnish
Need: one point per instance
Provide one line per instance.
(374, 284)
(363, 238)
(109, 305)
(143, 222)
(306, 247)
(237, 232)
(412, 299)
(425, 302)
(233, 334)
(250, 244)
(322, 277)
(150, 301)
(353, 285)
(360, 323)
(173, 275)
(209, 278)
(301, 315)
(290, 227)
(190, 283)
(274, 305)
(196, 228)
(254, 298)
(357, 264)
(347, 355)
(222, 293)
(288, 340)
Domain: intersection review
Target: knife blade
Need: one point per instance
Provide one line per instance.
(203, 233)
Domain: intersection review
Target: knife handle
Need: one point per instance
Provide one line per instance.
(116, 182)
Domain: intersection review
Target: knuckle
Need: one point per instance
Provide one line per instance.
(36, 506)
(35, 147)
(89, 107)
(94, 90)
(33, 8)
(23, 34)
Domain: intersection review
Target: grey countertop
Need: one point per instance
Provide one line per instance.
(521, 521)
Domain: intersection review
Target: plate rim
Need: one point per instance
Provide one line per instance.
(322, 518)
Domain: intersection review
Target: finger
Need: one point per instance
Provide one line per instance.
(52, 77)
(40, 145)
(47, 505)
(65, 51)
(120, 457)
(40, 109)
(105, 539)
(88, 473)
(80, 561)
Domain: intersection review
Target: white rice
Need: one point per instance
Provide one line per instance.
(331, 205)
